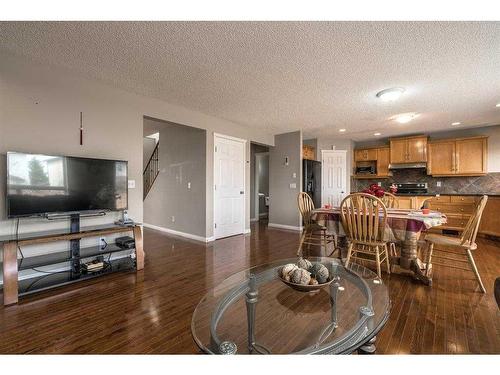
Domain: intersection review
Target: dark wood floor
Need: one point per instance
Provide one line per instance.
(150, 312)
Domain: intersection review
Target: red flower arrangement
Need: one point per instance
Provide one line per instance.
(375, 190)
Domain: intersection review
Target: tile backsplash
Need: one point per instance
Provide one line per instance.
(489, 184)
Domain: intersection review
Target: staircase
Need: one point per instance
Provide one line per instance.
(151, 172)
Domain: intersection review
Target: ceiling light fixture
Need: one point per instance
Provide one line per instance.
(377, 134)
(390, 95)
(456, 123)
(342, 130)
(403, 118)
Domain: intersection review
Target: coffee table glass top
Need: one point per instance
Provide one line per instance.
(253, 311)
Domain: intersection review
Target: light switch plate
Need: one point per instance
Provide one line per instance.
(293, 186)
(131, 184)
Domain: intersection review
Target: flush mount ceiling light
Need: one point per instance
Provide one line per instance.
(390, 95)
(403, 118)
(377, 134)
(342, 130)
(456, 123)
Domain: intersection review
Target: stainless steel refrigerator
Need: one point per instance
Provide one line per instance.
(311, 180)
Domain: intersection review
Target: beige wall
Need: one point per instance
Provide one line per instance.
(113, 122)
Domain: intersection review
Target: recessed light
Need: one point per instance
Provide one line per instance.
(403, 118)
(456, 123)
(390, 95)
(377, 134)
(498, 105)
(342, 130)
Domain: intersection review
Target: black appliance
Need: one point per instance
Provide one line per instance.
(125, 242)
(412, 188)
(40, 185)
(311, 184)
(366, 169)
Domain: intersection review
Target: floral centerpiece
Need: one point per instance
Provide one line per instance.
(375, 190)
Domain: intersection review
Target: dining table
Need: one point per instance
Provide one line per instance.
(403, 227)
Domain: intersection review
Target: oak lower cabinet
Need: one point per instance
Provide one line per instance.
(458, 157)
(406, 202)
(490, 221)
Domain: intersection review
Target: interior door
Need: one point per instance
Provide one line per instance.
(442, 158)
(229, 186)
(334, 177)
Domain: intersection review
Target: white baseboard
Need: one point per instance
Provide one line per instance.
(254, 219)
(178, 233)
(287, 227)
(248, 230)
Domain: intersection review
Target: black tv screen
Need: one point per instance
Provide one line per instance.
(39, 185)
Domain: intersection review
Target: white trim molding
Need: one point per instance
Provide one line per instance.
(287, 227)
(178, 233)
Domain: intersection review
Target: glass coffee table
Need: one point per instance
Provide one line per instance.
(253, 311)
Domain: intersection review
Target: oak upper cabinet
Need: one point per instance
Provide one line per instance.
(365, 154)
(441, 158)
(383, 155)
(458, 157)
(409, 150)
(308, 152)
(471, 156)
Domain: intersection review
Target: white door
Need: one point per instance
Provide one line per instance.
(229, 186)
(334, 177)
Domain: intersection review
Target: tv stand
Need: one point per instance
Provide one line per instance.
(13, 288)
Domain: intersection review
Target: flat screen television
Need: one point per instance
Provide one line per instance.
(40, 185)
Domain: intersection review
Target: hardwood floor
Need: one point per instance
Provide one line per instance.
(150, 312)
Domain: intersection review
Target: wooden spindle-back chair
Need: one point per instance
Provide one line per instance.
(466, 243)
(312, 233)
(364, 219)
(390, 200)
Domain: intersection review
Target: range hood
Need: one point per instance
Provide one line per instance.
(407, 165)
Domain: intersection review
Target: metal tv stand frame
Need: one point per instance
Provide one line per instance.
(13, 287)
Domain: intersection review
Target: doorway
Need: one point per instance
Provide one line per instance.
(229, 186)
(334, 177)
(259, 182)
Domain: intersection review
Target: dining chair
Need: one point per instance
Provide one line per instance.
(312, 232)
(364, 218)
(464, 244)
(390, 200)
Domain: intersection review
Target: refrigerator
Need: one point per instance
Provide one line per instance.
(311, 180)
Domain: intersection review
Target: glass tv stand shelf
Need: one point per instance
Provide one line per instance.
(13, 287)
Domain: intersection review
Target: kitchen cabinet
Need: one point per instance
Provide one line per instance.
(308, 152)
(367, 154)
(489, 221)
(405, 202)
(383, 156)
(458, 157)
(408, 150)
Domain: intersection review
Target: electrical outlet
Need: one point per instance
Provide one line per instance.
(379, 183)
(438, 183)
(102, 243)
(189, 185)
(173, 219)
(294, 175)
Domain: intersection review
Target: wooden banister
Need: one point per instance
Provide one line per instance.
(151, 171)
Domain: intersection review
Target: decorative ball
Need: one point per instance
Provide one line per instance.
(286, 271)
(313, 281)
(320, 272)
(304, 263)
(300, 276)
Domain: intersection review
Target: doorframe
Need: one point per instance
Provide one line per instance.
(258, 155)
(323, 172)
(244, 211)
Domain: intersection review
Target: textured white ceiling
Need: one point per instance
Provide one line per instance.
(281, 76)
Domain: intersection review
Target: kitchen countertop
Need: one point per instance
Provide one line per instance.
(435, 194)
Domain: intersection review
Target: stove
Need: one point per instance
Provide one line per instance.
(412, 188)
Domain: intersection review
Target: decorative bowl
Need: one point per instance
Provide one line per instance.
(307, 288)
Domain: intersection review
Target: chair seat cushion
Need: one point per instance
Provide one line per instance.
(439, 239)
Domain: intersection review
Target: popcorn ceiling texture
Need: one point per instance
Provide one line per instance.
(285, 76)
(489, 184)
